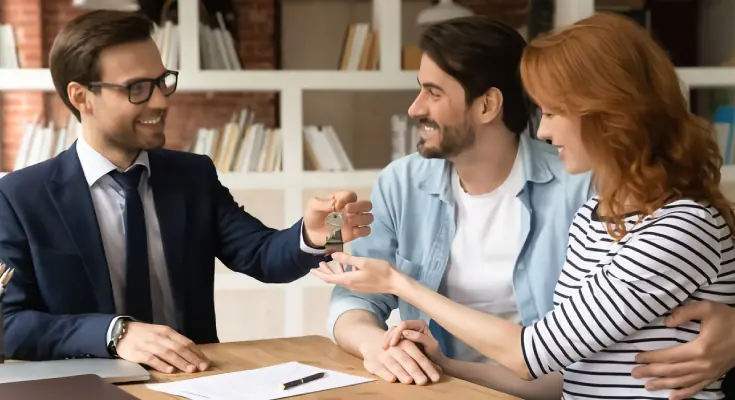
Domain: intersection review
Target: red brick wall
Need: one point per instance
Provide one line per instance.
(37, 22)
(20, 107)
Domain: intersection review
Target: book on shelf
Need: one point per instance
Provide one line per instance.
(8, 47)
(241, 145)
(167, 39)
(217, 49)
(361, 50)
(405, 136)
(324, 150)
(41, 142)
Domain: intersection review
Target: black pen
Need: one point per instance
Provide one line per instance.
(289, 385)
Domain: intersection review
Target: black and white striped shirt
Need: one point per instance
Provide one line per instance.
(612, 297)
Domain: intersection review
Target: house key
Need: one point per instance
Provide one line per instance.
(334, 241)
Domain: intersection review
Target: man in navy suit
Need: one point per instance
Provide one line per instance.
(113, 241)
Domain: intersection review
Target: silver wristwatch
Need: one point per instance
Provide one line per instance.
(118, 331)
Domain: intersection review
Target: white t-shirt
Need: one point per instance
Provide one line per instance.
(484, 252)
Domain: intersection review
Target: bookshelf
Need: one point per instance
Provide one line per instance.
(278, 198)
(298, 81)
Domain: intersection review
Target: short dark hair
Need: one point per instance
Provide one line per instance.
(74, 55)
(480, 53)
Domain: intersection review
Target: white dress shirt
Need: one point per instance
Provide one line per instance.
(109, 206)
(108, 198)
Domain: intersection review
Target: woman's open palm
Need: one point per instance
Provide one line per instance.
(366, 275)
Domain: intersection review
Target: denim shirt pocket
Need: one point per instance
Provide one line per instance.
(409, 268)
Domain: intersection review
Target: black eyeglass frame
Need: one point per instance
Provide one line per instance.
(155, 82)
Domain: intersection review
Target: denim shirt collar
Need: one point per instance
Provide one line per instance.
(437, 180)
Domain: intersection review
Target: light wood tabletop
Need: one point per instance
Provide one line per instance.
(320, 352)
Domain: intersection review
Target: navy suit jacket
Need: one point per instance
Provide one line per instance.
(59, 302)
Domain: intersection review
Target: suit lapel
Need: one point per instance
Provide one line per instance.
(71, 196)
(169, 196)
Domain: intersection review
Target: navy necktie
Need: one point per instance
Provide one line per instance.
(137, 280)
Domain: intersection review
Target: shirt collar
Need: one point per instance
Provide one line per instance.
(530, 159)
(95, 165)
(533, 156)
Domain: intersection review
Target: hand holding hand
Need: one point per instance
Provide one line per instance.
(416, 331)
(404, 362)
(161, 348)
(368, 275)
(357, 217)
(692, 366)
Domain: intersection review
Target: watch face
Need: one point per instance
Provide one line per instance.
(117, 330)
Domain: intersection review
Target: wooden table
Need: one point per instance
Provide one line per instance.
(320, 352)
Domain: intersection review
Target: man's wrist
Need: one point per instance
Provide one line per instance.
(115, 332)
(306, 245)
(372, 341)
(108, 335)
(367, 347)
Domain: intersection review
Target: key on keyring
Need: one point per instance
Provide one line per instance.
(334, 240)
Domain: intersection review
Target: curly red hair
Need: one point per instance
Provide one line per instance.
(645, 146)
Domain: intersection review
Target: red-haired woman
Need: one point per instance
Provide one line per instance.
(657, 234)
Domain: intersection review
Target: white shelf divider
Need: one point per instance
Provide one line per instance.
(567, 12)
(261, 80)
(387, 21)
(707, 77)
(299, 180)
(265, 80)
(240, 81)
(189, 59)
(292, 122)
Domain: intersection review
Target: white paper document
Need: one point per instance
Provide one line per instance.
(258, 384)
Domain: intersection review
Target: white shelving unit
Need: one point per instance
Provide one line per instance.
(293, 181)
(252, 81)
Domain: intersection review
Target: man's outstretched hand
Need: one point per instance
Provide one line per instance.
(357, 217)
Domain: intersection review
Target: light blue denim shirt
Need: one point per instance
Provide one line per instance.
(414, 226)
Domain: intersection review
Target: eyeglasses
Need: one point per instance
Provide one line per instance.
(141, 90)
